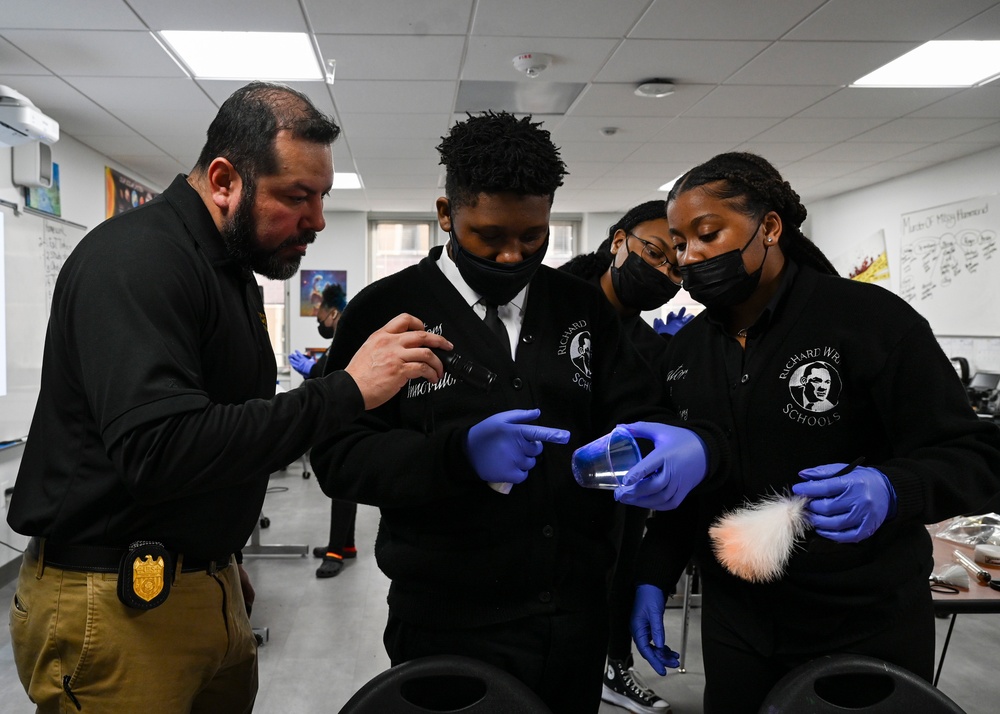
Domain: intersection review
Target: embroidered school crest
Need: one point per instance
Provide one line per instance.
(575, 343)
(814, 385)
(147, 577)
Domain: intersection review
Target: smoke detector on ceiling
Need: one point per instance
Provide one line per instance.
(655, 88)
(532, 63)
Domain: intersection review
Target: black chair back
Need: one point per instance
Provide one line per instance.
(445, 683)
(857, 684)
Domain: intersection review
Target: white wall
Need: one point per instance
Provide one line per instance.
(341, 246)
(835, 223)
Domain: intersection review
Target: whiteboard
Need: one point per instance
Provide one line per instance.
(950, 268)
(34, 251)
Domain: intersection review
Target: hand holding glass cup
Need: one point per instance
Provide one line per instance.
(604, 462)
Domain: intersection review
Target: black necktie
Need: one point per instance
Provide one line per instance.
(493, 321)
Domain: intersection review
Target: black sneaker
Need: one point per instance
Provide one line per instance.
(623, 688)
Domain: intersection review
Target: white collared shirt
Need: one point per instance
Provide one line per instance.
(511, 314)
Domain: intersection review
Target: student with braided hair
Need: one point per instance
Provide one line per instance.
(777, 315)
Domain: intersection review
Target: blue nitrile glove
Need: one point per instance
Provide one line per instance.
(674, 322)
(677, 463)
(847, 508)
(647, 629)
(300, 363)
(502, 448)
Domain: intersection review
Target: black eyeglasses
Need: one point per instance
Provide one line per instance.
(650, 253)
(654, 257)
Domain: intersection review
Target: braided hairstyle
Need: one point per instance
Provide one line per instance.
(753, 187)
(499, 153)
(591, 265)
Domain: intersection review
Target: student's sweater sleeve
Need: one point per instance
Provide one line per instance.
(944, 461)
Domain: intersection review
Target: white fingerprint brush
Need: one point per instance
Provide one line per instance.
(756, 542)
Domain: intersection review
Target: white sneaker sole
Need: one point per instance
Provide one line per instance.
(620, 700)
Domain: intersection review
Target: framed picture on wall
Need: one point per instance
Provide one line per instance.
(45, 199)
(311, 285)
(122, 192)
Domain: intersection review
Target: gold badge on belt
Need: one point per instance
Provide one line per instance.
(144, 575)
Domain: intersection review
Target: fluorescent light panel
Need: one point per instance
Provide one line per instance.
(346, 180)
(961, 63)
(669, 184)
(287, 56)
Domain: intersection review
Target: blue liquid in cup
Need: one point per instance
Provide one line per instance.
(604, 462)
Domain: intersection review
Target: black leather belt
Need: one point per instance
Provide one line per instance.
(100, 559)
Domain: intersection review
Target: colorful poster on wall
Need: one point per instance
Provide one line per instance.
(311, 287)
(45, 199)
(866, 261)
(122, 192)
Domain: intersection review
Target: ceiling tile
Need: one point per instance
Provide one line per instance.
(985, 26)
(710, 129)
(393, 57)
(95, 53)
(150, 105)
(587, 18)
(818, 63)
(882, 102)
(394, 97)
(70, 14)
(910, 129)
(973, 102)
(757, 101)
(15, 62)
(380, 125)
(722, 20)
(799, 129)
(249, 15)
(413, 17)
(922, 20)
(524, 97)
(683, 61)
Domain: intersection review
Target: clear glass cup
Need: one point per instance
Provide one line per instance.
(603, 462)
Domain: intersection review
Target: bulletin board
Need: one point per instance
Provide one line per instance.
(949, 266)
(34, 249)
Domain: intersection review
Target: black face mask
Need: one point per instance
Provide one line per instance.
(723, 281)
(496, 282)
(326, 332)
(640, 286)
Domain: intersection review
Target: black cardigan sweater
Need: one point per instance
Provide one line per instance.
(894, 399)
(458, 553)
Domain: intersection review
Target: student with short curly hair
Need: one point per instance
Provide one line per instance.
(493, 550)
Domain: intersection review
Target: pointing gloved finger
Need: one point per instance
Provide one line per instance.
(544, 433)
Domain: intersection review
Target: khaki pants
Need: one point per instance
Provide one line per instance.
(78, 648)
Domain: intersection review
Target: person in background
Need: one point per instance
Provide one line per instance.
(492, 549)
(340, 545)
(157, 424)
(636, 269)
(333, 302)
(774, 307)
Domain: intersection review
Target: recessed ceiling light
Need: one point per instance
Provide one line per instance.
(345, 180)
(288, 56)
(940, 63)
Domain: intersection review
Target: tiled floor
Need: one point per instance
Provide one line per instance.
(325, 636)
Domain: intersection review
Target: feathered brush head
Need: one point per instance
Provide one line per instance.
(756, 542)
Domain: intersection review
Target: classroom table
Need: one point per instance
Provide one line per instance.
(974, 599)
